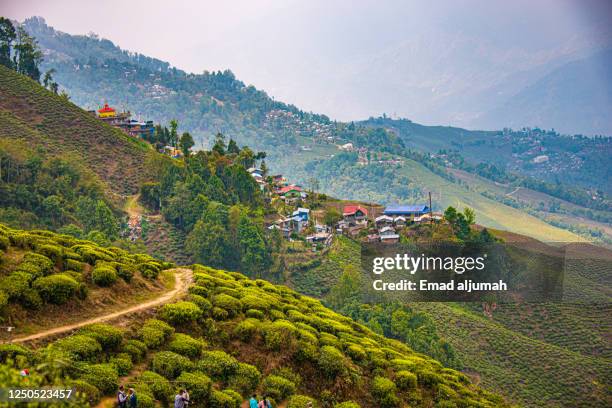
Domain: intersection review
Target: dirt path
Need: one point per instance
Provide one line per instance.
(182, 278)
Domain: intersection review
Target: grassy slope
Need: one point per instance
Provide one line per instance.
(31, 113)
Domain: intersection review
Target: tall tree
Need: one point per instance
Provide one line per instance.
(186, 143)
(7, 37)
(173, 132)
(28, 55)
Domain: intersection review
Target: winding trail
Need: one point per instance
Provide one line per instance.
(183, 278)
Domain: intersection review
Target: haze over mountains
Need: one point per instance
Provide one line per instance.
(468, 63)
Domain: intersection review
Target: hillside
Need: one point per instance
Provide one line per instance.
(94, 70)
(40, 118)
(233, 336)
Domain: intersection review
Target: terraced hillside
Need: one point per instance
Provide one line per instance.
(49, 279)
(30, 113)
(233, 336)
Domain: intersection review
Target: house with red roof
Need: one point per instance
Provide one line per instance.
(353, 214)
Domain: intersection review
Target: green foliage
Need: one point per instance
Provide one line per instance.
(122, 363)
(384, 392)
(331, 361)
(91, 393)
(230, 304)
(102, 376)
(278, 387)
(155, 332)
(217, 364)
(406, 380)
(300, 401)
(136, 349)
(223, 399)
(57, 289)
(80, 347)
(170, 364)
(108, 336)
(245, 330)
(198, 384)
(186, 345)
(245, 379)
(347, 404)
(180, 313)
(160, 387)
(280, 334)
(104, 275)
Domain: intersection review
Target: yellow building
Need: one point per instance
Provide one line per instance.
(107, 112)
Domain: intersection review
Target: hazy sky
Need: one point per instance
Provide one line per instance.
(349, 59)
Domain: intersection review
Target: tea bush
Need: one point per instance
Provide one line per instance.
(160, 387)
(80, 347)
(217, 364)
(108, 336)
(186, 345)
(331, 361)
(300, 401)
(136, 349)
(406, 380)
(57, 289)
(154, 333)
(278, 387)
(384, 392)
(198, 384)
(102, 376)
(170, 364)
(180, 312)
(245, 379)
(122, 363)
(104, 275)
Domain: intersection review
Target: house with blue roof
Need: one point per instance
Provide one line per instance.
(408, 211)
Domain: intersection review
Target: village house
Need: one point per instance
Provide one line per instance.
(383, 221)
(407, 211)
(388, 235)
(427, 218)
(353, 214)
(399, 221)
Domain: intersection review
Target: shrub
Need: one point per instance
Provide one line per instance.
(15, 285)
(91, 254)
(150, 270)
(280, 334)
(136, 349)
(203, 303)
(300, 401)
(4, 301)
(220, 314)
(331, 361)
(31, 299)
(245, 379)
(356, 352)
(73, 265)
(428, 378)
(10, 351)
(347, 404)
(57, 289)
(169, 364)
(383, 391)
(102, 376)
(80, 347)
(186, 345)
(122, 363)
(108, 336)
(236, 397)
(160, 387)
(232, 305)
(306, 351)
(154, 333)
(198, 384)
(406, 380)
(91, 393)
(245, 330)
(104, 275)
(217, 364)
(4, 242)
(256, 314)
(278, 387)
(41, 261)
(198, 290)
(222, 400)
(180, 312)
(53, 252)
(327, 339)
(125, 272)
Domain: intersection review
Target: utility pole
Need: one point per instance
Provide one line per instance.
(430, 211)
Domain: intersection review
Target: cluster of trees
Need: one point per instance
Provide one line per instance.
(164, 136)
(215, 201)
(53, 193)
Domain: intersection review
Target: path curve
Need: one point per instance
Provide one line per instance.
(183, 278)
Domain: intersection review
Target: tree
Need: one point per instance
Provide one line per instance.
(48, 77)
(173, 133)
(219, 145)
(186, 143)
(232, 147)
(7, 37)
(105, 220)
(470, 215)
(254, 256)
(331, 217)
(28, 55)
